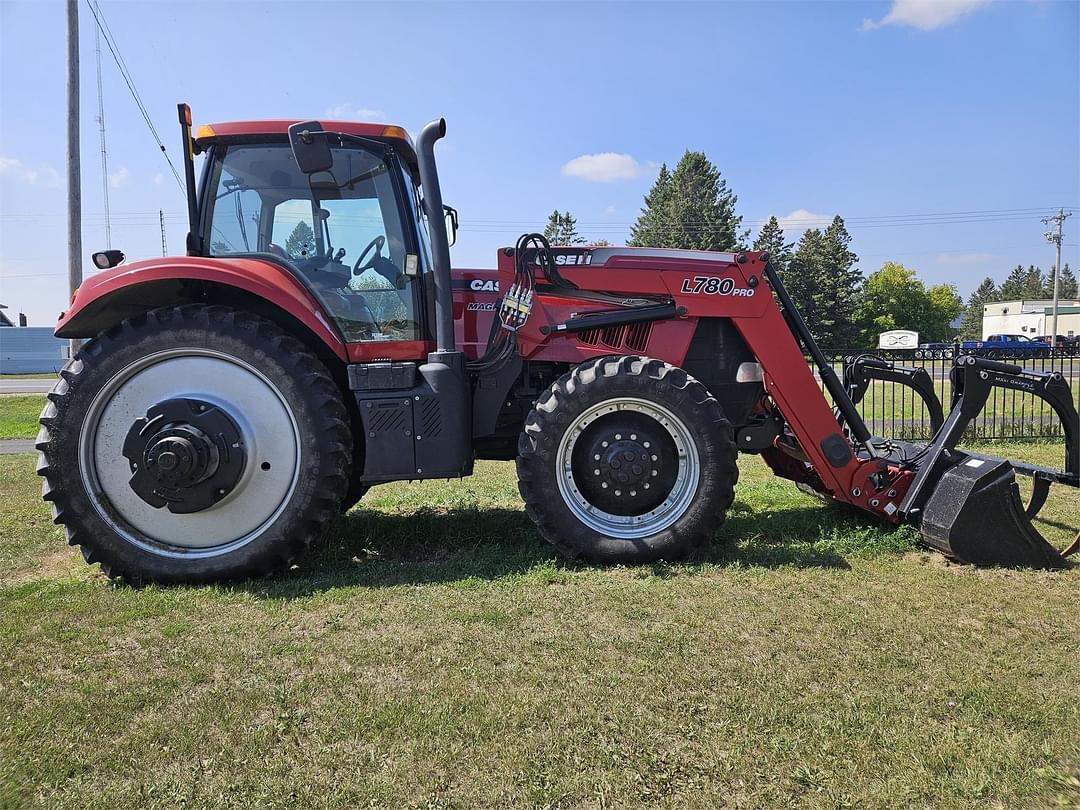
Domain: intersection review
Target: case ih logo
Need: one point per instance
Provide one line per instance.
(568, 259)
(480, 285)
(710, 285)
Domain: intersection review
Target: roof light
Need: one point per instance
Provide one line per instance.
(395, 132)
(204, 131)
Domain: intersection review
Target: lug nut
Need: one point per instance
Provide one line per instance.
(646, 485)
(603, 444)
(618, 437)
(603, 484)
(618, 493)
(596, 457)
(633, 437)
(595, 472)
(654, 473)
(654, 458)
(646, 445)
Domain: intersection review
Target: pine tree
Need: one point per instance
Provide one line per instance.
(971, 327)
(1033, 284)
(690, 208)
(561, 229)
(842, 281)
(650, 230)
(1066, 284)
(1012, 288)
(804, 280)
(301, 242)
(771, 239)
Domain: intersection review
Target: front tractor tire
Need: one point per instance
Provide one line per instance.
(194, 444)
(627, 460)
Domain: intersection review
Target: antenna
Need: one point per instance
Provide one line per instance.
(101, 131)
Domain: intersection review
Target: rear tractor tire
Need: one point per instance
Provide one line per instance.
(194, 444)
(627, 460)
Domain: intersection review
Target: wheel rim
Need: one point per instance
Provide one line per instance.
(649, 499)
(268, 434)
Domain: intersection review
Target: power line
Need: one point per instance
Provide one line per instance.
(101, 131)
(103, 27)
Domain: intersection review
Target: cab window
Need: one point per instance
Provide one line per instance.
(342, 230)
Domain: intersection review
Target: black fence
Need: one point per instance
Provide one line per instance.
(895, 411)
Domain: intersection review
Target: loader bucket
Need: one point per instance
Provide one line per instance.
(975, 515)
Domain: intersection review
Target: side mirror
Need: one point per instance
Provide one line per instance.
(310, 147)
(450, 215)
(105, 259)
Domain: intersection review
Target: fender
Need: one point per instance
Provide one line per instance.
(110, 296)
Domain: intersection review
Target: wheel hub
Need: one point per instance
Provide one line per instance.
(185, 454)
(629, 464)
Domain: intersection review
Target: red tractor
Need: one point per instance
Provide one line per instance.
(315, 342)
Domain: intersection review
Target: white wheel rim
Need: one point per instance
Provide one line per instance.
(269, 433)
(631, 527)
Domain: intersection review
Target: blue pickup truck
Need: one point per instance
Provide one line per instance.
(1002, 346)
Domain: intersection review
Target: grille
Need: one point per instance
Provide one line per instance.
(430, 417)
(635, 336)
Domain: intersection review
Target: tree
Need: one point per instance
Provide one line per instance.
(895, 298)
(561, 229)
(842, 283)
(1066, 284)
(601, 243)
(1033, 284)
(691, 208)
(771, 239)
(971, 328)
(301, 242)
(824, 284)
(650, 230)
(946, 306)
(1012, 288)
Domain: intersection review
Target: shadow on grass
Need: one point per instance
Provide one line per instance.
(370, 548)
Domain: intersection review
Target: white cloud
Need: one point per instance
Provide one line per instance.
(120, 177)
(963, 258)
(347, 112)
(800, 220)
(604, 167)
(158, 179)
(41, 175)
(926, 15)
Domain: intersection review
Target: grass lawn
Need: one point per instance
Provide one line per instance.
(19, 415)
(435, 653)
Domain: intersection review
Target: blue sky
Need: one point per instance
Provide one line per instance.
(867, 109)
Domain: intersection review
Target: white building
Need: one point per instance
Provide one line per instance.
(1030, 318)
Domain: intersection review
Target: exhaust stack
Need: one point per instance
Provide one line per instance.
(440, 242)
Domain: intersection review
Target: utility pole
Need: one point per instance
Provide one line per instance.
(1055, 237)
(164, 246)
(74, 169)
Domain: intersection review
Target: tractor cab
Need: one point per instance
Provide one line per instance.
(352, 233)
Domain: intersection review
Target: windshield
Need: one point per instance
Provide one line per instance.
(344, 231)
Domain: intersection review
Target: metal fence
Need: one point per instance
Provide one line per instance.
(896, 411)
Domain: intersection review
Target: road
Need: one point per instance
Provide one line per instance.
(29, 385)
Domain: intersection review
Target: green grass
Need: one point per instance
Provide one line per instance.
(434, 653)
(19, 416)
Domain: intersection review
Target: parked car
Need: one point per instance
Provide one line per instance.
(1065, 343)
(1003, 346)
(931, 351)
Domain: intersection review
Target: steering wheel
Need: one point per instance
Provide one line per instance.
(376, 244)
